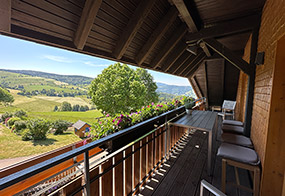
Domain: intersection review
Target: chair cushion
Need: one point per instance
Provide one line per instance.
(232, 122)
(238, 153)
(237, 139)
(232, 129)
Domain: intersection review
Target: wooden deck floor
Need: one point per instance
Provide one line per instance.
(183, 172)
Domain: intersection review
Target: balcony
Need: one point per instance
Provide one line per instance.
(163, 160)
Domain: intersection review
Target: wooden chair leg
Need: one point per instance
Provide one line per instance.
(224, 170)
(256, 181)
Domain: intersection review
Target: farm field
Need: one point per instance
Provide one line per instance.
(10, 143)
(42, 107)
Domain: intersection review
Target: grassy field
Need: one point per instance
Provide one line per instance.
(42, 107)
(12, 146)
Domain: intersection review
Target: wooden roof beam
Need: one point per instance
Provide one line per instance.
(194, 66)
(157, 35)
(185, 14)
(224, 29)
(188, 19)
(229, 55)
(177, 52)
(132, 27)
(5, 15)
(176, 37)
(88, 16)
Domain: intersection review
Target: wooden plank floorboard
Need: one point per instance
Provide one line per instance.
(190, 167)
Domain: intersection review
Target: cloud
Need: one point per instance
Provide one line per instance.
(60, 59)
(89, 63)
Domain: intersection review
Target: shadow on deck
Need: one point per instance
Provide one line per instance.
(183, 172)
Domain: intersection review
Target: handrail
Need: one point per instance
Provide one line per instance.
(28, 172)
(40, 167)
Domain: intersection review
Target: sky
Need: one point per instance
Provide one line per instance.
(25, 55)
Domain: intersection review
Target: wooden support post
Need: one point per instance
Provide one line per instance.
(251, 81)
(5, 15)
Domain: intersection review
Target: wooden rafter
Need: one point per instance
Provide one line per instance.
(88, 16)
(185, 55)
(197, 87)
(157, 35)
(194, 66)
(177, 52)
(176, 37)
(188, 64)
(180, 5)
(132, 27)
(181, 67)
(229, 55)
(227, 28)
(5, 15)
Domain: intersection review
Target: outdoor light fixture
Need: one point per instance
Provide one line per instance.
(259, 59)
(192, 49)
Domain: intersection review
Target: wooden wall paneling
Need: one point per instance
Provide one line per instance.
(223, 75)
(156, 35)
(107, 179)
(118, 172)
(149, 153)
(206, 84)
(73, 186)
(130, 30)
(274, 160)
(175, 38)
(128, 171)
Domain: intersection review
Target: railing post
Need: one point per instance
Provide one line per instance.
(86, 174)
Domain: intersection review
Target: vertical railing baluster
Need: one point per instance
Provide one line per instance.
(153, 150)
(124, 173)
(86, 174)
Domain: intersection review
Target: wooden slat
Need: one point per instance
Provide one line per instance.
(185, 55)
(107, 179)
(149, 154)
(206, 84)
(136, 177)
(143, 159)
(227, 28)
(131, 29)
(128, 171)
(89, 13)
(185, 15)
(175, 38)
(119, 175)
(156, 35)
(70, 188)
(229, 56)
(94, 186)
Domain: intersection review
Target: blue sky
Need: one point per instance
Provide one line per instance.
(20, 54)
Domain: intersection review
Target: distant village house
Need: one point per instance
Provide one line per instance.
(81, 128)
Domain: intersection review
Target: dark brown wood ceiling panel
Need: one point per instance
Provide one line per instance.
(235, 42)
(212, 11)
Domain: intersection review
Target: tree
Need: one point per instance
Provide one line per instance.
(120, 89)
(75, 107)
(5, 96)
(66, 106)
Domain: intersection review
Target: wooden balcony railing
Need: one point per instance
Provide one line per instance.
(120, 172)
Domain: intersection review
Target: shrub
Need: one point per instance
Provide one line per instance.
(26, 135)
(12, 121)
(60, 126)
(20, 113)
(19, 126)
(38, 128)
(6, 115)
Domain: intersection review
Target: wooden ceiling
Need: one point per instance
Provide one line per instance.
(152, 34)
